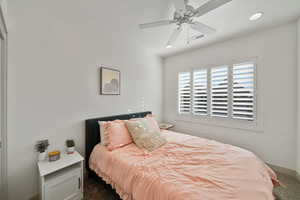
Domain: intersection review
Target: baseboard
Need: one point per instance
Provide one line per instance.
(284, 170)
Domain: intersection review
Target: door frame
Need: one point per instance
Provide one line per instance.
(3, 70)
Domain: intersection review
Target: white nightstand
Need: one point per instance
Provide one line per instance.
(61, 179)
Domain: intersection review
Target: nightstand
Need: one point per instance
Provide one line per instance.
(166, 126)
(61, 179)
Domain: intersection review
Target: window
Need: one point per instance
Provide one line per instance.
(184, 92)
(243, 91)
(200, 92)
(219, 91)
(224, 91)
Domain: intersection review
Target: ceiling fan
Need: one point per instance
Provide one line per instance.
(186, 14)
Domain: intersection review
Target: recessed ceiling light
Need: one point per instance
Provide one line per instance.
(169, 46)
(256, 16)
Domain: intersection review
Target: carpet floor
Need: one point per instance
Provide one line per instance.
(100, 191)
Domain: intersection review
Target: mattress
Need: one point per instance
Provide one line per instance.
(186, 167)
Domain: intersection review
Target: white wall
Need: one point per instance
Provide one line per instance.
(55, 48)
(3, 4)
(274, 137)
(298, 99)
(3, 154)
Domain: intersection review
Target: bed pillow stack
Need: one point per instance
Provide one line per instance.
(145, 133)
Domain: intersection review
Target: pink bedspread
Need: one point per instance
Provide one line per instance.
(186, 168)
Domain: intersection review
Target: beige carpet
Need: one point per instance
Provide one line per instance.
(98, 191)
(290, 190)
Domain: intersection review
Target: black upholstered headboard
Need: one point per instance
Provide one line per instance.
(92, 129)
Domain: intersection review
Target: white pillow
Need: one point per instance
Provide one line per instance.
(102, 133)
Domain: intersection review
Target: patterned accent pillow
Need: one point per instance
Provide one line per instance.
(149, 122)
(144, 137)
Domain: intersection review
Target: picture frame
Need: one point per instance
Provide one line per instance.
(110, 81)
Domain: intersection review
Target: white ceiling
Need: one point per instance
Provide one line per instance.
(230, 20)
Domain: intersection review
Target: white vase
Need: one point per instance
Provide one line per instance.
(42, 156)
(70, 150)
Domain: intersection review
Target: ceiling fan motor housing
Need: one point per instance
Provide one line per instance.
(186, 17)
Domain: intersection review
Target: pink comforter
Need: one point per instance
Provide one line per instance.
(186, 168)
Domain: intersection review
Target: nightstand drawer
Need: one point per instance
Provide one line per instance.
(64, 185)
(63, 174)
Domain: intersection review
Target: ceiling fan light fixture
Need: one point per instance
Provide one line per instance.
(168, 46)
(256, 16)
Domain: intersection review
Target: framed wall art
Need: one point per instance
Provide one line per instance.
(110, 81)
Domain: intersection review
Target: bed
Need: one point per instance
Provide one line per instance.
(187, 167)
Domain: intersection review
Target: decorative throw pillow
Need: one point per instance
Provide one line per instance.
(144, 137)
(149, 122)
(151, 140)
(115, 134)
(152, 122)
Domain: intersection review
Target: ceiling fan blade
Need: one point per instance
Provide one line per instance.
(157, 23)
(202, 28)
(174, 35)
(209, 6)
(196, 37)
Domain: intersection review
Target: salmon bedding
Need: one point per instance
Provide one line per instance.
(185, 168)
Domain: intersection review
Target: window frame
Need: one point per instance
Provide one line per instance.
(178, 93)
(254, 92)
(209, 118)
(207, 92)
(228, 91)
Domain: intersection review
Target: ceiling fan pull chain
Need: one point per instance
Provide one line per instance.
(187, 35)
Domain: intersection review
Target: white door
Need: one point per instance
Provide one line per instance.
(3, 72)
(1, 125)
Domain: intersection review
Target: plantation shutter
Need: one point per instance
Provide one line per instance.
(243, 91)
(219, 91)
(200, 92)
(184, 92)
